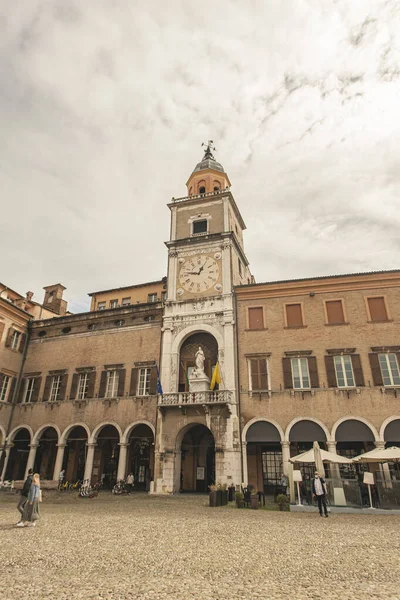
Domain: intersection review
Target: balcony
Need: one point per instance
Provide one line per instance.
(182, 399)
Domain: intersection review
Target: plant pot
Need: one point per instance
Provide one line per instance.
(224, 497)
(213, 499)
(219, 498)
(240, 503)
(254, 502)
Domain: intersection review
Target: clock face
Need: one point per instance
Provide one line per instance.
(198, 274)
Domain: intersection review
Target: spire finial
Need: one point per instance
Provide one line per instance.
(209, 147)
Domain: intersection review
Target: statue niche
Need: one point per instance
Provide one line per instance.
(198, 355)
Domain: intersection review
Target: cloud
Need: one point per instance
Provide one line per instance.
(103, 107)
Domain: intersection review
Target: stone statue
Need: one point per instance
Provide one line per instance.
(200, 358)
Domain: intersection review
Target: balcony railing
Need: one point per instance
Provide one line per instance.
(190, 398)
(205, 195)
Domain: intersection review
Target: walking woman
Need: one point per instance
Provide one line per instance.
(31, 508)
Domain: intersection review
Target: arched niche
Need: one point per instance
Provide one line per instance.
(187, 353)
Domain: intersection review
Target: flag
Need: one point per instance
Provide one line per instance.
(216, 377)
(159, 386)
(186, 376)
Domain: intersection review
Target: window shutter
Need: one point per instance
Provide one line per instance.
(12, 389)
(259, 378)
(312, 367)
(334, 311)
(47, 388)
(153, 381)
(63, 387)
(256, 318)
(294, 316)
(8, 338)
(21, 392)
(36, 389)
(22, 343)
(330, 371)
(121, 382)
(358, 374)
(134, 380)
(103, 383)
(2, 326)
(1, 379)
(287, 373)
(263, 373)
(255, 385)
(377, 309)
(91, 384)
(375, 368)
(74, 386)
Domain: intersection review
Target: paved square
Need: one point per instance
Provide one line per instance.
(178, 548)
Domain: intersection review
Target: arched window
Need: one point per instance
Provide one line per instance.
(202, 190)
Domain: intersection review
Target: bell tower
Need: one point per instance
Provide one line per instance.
(206, 259)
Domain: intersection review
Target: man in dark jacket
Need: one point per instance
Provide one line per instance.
(24, 492)
(318, 490)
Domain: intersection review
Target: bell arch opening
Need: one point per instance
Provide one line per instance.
(187, 355)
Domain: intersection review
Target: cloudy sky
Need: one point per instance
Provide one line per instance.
(104, 105)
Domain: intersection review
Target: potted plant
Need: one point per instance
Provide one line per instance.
(222, 493)
(283, 501)
(239, 499)
(213, 496)
(254, 499)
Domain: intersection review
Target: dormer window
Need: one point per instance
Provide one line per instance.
(202, 190)
(216, 188)
(200, 226)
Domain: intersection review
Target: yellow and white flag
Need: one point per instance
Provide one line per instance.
(216, 377)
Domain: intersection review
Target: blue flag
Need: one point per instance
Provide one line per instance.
(159, 386)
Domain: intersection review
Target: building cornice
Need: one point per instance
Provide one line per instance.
(319, 285)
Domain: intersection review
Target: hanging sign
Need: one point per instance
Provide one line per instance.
(200, 473)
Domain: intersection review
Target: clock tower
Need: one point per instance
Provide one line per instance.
(198, 431)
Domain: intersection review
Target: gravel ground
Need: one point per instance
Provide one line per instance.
(119, 548)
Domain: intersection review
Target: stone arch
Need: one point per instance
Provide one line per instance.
(261, 419)
(14, 431)
(198, 328)
(351, 418)
(41, 429)
(100, 426)
(200, 452)
(128, 430)
(385, 423)
(69, 428)
(314, 420)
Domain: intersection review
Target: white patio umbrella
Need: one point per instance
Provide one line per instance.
(331, 457)
(379, 455)
(319, 465)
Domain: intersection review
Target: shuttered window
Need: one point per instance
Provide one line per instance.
(300, 373)
(4, 382)
(15, 340)
(294, 315)
(29, 389)
(344, 371)
(377, 309)
(112, 384)
(144, 382)
(256, 317)
(258, 374)
(334, 312)
(389, 369)
(83, 384)
(55, 388)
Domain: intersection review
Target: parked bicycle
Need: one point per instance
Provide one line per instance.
(87, 491)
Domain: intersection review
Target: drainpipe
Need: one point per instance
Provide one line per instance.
(16, 394)
(238, 383)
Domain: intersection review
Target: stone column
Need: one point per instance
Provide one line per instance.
(383, 468)
(31, 458)
(7, 451)
(89, 461)
(244, 458)
(285, 456)
(334, 468)
(123, 450)
(59, 461)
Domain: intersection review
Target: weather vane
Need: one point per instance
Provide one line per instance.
(209, 147)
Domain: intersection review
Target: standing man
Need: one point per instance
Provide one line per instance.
(23, 497)
(284, 483)
(318, 490)
(129, 483)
